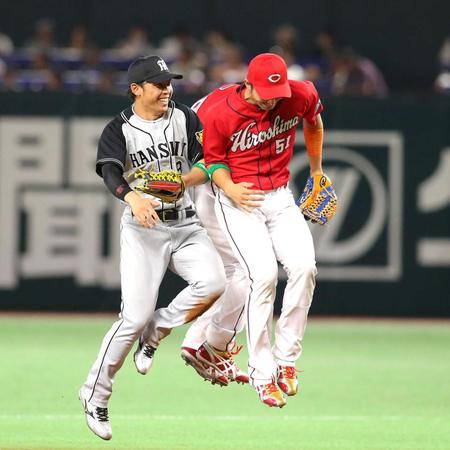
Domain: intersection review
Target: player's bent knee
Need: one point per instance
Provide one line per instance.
(310, 270)
(136, 324)
(212, 285)
(307, 270)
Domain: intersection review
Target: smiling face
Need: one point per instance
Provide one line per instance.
(151, 99)
(252, 96)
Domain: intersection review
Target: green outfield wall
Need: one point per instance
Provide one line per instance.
(387, 252)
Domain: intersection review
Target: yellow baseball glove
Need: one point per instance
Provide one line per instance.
(318, 201)
(166, 185)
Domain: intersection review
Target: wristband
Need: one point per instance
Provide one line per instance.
(213, 167)
(202, 167)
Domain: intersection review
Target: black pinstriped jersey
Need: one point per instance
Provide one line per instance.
(170, 142)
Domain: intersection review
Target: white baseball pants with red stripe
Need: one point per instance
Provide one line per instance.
(276, 231)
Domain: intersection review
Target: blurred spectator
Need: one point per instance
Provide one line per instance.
(318, 66)
(40, 61)
(321, 80)
(192, 69)
(135, 44)
(40, 76)
(6, 45)
(442, 82)
(326, 46)
(286, 40)
(70, 57)
(6, 48)
(88, 75)
(170, 47)
(444, 54)
(53, 81)
(79, 39)
(79, 42)
(232, 70)
(3, 68)
(43, 39)
(81, 67)
(107, 83)
(295, 70)
(356, 75)
(8, 81)
(216, 43)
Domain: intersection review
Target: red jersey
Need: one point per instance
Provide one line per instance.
(256, 145)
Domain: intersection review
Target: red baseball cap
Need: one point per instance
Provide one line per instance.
(267, 72)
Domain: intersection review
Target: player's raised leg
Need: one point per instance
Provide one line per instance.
(298, 294)
(219, 327)
(225, 319)
(197, 262)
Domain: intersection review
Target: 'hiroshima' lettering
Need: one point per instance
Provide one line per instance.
(245, 139)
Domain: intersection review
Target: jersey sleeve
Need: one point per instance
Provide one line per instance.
(194, 130)
(111, 146)
(114, 180)
(214, 142)
(313, 103)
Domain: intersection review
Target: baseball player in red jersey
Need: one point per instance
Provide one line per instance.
(248, 141)
(249, 134)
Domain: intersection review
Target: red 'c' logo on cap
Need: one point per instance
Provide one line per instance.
(274, 78)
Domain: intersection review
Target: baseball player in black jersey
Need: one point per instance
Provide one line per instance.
(155, 133)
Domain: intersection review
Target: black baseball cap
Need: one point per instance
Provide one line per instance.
(150, 68)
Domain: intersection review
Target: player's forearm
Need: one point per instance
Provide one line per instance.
(314, 144)
(114, 180)
(241, 193)
(197, 175)
(222, 178)
(315, 165)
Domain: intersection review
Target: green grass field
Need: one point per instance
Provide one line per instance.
(366, 385)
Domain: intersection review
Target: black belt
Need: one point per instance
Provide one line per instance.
(171, 215)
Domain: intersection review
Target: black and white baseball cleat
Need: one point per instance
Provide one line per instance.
(96, 418)
(143, 357)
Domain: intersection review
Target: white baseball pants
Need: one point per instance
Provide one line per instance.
(146, 254)
(220, 324)
(276, 231)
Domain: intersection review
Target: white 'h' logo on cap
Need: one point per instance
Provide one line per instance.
(163, 65)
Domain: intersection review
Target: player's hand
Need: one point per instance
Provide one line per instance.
(246, 198)
(143, 210)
